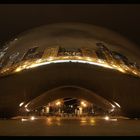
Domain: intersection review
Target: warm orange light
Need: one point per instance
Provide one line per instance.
(83, 104)
(32, 118)
(107, 118)
(58, 103)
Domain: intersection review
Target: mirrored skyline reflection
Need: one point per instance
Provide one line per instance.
(100, 56)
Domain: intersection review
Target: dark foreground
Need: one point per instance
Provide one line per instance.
(56, 126)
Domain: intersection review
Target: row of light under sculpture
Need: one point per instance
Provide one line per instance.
(83, 103)
(28, 64)
(83, 120)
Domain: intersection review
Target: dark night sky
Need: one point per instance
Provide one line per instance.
(123, 18)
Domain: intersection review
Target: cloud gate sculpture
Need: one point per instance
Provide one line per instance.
(69, 60)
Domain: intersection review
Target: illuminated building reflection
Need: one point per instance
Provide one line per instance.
(102, 57)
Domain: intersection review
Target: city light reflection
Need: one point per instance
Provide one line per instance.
(32, 118)
(23, 120)
(83, 121)
(114, 120)
(107, 118)
(117, 104)
(58, 103)
(49, 121)
(92, 121)
(101, 57)
(21, 104)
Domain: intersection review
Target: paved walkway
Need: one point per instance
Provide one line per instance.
(82, 126)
